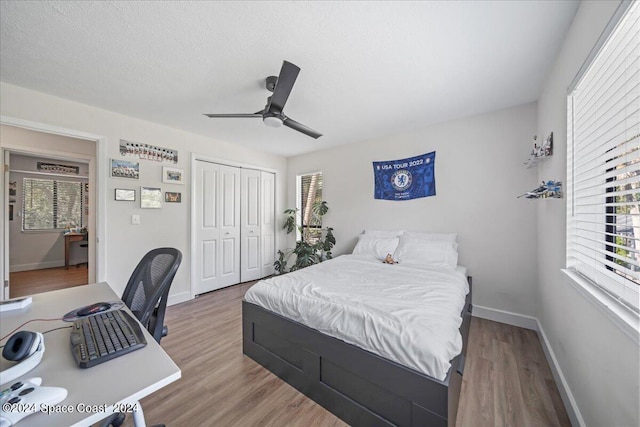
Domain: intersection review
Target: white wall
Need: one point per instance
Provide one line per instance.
(599, 362)
(479, 173)
(41, 249)
(125, 244)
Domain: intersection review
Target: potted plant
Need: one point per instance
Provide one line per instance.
(315, 242)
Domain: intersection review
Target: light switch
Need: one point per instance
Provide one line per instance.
(135, 219)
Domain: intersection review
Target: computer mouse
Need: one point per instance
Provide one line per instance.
(94, 308)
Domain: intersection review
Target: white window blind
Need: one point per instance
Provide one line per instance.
(51, 204)
(603, 164)
(310, 193)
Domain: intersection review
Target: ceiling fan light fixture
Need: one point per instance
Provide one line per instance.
(272, 114)
(272, 121)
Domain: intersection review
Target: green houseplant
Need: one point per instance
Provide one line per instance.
(315, 243)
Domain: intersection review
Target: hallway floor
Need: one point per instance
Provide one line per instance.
(48, 279)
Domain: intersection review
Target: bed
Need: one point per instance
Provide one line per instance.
(389, 351)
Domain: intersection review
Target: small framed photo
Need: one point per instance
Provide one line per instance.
(150, 198)
(125, 169)
(125, 195)
(171, 197)
(57, 168)
(172, 175)
(13, 191)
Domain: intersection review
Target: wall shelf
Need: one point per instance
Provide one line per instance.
(535, 161)
(546, 190)
(540, 153)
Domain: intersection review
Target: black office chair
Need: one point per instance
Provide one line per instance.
(146, 296)
(148, 288)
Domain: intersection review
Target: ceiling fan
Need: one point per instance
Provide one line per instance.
(272, 114)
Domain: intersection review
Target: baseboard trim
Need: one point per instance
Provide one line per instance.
(36, 266)
(49, 264)
(507, 317)
(179, 298)
(565, 392)
(532, 323)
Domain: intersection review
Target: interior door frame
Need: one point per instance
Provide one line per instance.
(195, 157)
(97, 169)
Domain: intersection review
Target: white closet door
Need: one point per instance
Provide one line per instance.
(250, 229)
(217, 227)
(207, 233)
(229, 260)
(267, 222)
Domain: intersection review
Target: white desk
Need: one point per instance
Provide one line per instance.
(128, 378)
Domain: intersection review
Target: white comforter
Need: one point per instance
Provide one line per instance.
(406, 314)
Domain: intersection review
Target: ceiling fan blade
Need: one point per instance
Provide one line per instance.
(286, 79)
(300, 128)
(239, 116)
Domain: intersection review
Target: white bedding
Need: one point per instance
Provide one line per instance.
(407, 314)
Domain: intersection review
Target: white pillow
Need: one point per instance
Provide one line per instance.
(447, 237)
(375, 247)
(427, 253)
(384, 234)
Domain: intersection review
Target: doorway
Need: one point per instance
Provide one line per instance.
(48, 217)
(49, 184)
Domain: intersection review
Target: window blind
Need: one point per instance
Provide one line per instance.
(603, 164)
(51, 204)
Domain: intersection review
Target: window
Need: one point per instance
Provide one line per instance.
(309, 193)
(603, 164)
(51, 204)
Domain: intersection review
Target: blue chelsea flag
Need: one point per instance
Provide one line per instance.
(405, 179)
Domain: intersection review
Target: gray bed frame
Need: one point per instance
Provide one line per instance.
(360, 387)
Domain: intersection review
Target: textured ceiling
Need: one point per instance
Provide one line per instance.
(368, 69)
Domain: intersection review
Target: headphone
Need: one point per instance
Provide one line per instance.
(26, 348)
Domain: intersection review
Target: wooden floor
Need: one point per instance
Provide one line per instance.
(49, 279)
(507, 381)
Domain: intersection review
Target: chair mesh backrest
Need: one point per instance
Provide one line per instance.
(150, 281)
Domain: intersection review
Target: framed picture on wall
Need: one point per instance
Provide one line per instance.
(125, 195)
(172, 175)
(58, 168)
(125, 169)
(150, 198)
(13, 191)
(171, 197)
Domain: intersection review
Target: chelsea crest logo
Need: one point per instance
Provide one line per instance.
(401, 180)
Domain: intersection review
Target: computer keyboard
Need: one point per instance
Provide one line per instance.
(105, 336)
